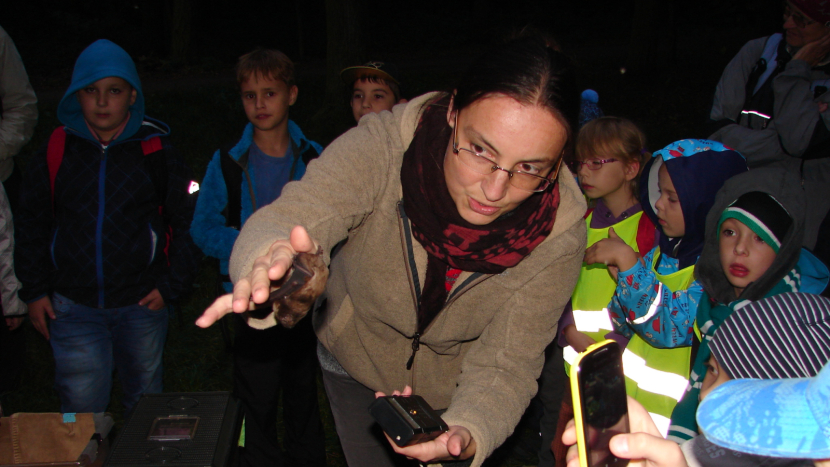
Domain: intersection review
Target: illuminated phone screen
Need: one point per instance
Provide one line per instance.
(605, 410)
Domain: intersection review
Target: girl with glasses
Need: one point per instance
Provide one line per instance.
(436, 291)
(609, 154)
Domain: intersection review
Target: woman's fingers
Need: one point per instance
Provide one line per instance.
(219, 308)
(255, 288)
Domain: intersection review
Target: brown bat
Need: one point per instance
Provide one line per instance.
(295, 295)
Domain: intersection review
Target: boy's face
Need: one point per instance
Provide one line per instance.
(669, 212)
(371, 97)
(105, 105)
(715, 376)
(744, 256)
(266, 101)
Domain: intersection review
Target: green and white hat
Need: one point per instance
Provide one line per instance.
(763, 214)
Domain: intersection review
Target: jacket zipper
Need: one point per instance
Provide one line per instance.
(414, 286)
(99, 227)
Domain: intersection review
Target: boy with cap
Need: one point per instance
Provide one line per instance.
(374, 87)
(752, 250)
(103, 242)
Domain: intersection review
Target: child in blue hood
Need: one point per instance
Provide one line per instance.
(656, 298)
(103, 242)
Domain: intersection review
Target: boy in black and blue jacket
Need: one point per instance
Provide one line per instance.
(103, 242)
(250, 174)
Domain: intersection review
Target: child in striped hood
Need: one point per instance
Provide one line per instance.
(780, 337)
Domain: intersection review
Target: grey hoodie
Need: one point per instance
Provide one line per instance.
(785, 188)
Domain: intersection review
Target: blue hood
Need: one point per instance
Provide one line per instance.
(698, 169)
(101, 60)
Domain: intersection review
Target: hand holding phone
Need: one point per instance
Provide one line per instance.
(599, 401)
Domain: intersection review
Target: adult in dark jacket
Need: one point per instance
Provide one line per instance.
(103, 250)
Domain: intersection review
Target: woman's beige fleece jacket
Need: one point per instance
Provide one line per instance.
(481, 355)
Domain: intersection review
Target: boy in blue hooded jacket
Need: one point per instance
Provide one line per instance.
(250, 174)
(103, 242)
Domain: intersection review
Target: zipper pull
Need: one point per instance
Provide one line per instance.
(416, 344)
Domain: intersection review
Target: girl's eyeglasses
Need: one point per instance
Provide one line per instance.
(594, 164)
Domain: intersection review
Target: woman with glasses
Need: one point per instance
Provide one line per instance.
(464, 238)
(771, 104)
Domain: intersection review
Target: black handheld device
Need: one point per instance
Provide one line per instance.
(407, 419)
(600, 404)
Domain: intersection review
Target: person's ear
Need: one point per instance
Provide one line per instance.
(451, 111)
(292, 94)
(133, 96)
(632, 169)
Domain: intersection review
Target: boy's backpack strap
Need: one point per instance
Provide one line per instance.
(310, 154)
(54, 157)
(156, 164)
(295, 152)
(151, 145)
(232, 173)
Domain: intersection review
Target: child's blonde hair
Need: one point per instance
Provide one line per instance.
(613, 137)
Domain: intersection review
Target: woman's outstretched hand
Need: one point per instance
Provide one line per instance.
(255, 288)
(456, 443)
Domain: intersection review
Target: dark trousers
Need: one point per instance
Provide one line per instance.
(12, 356)
(361, 438)
(269, 362)
(552, 385)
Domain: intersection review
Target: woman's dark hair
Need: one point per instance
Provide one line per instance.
(531, 70)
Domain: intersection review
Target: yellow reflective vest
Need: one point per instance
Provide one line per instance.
(595, 286)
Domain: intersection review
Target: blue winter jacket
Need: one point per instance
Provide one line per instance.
(105, 242)
(210, 228)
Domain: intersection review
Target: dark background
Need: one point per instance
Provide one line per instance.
(673, 51)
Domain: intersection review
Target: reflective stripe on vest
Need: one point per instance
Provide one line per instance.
(657, 378)
(652, 380)
(595, 287)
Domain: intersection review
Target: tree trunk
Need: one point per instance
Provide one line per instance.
(180, 30)
(345, 47)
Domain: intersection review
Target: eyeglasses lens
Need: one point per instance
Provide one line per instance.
(485, 166)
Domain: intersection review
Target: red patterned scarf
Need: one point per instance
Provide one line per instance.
(449, 240)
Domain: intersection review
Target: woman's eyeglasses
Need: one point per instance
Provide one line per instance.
(593, 164)
(483, 165)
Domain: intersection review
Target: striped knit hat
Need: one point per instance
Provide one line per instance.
(761, 213)
(783, 336)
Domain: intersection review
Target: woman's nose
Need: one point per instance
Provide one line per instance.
(495, 185)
